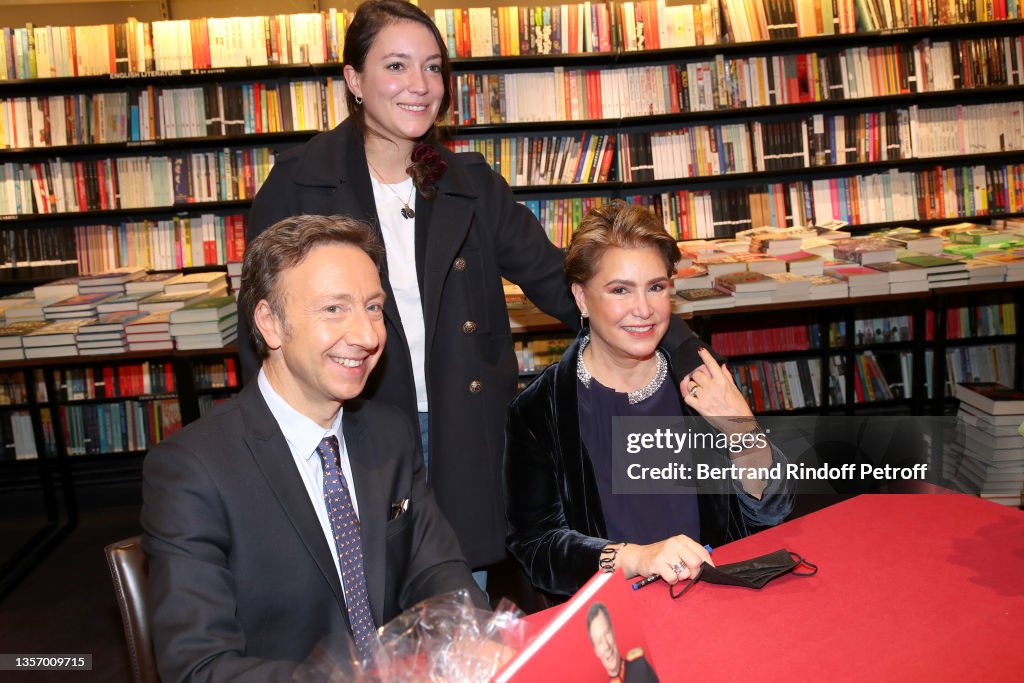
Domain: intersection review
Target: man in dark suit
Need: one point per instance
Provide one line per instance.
(296, 511)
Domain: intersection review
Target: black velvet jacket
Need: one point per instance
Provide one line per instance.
(556, 525)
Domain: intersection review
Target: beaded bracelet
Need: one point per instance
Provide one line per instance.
(608, 555)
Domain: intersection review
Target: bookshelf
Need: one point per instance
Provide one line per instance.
(139, 160)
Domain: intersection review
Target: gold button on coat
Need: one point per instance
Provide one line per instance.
(469, 327)
(459, 264)
(476, 386)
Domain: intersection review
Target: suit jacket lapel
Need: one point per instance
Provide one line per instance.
(370, 488)
(273, 458)
(450, 218)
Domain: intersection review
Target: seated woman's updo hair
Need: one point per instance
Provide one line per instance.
(616, 224)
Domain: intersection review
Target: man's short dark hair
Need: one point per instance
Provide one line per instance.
(284, 245)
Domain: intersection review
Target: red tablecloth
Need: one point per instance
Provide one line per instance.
(910, 587)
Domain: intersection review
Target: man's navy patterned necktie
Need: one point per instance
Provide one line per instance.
(348, 545)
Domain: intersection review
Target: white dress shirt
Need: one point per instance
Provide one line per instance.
(303, 436)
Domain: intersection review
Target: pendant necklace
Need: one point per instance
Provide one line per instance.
(407, 211)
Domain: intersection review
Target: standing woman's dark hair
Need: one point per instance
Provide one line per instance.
(371, 17)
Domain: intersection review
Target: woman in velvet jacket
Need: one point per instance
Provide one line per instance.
(564, 522)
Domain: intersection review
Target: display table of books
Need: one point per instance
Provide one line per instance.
(909, 587)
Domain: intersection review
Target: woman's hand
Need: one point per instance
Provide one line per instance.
(665, 558)
(711, 391)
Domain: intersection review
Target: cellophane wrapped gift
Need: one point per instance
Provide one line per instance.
(444, 638)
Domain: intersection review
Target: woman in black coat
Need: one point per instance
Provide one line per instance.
(452, 230)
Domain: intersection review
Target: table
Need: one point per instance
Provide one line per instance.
(910, 587)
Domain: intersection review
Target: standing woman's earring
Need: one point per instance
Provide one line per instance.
(583, 320)
(359, 100)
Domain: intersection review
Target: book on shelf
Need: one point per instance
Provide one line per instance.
(171, 302)
(692, 277)
(124, 303)
(117, 276)
(760, 263)
(195, 282)
(17, 437)
(980, 271)
(58, 351)
(11, 333)
(827, 287)
(220, 326)
(746, 281)
(215, 340)
(704, 298)
(107, 323)
(210, 309)
(150, 322)
(56, 290)
(77, 306)
(155, 345)
(979, 418)
(862, 281)
(101, 348)
(59, 333)
(790, 287)
(991, 398)
(149, 284)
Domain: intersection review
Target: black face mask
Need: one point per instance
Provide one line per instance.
(752, 573)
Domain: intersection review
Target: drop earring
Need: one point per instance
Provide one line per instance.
(359, 100)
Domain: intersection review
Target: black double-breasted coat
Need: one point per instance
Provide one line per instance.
(473, 232)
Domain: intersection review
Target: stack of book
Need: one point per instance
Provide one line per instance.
(75, 307)
(704, 299)
(149, 284)
(864, 250)
(120, 303)
(904, 277)
(182, 290)
(210, 323)
(54, 340)
(105, 334)
(861, 280)
(56, 290)
(1014, 265)
(11, 336)
(912, 239)
(804, 262)
(981, 271)
(790, 287)
(235, 276)
(827, 287)
(150, 332)
(989, 459)
(692, 277)
(942, 271)
(111, 282)
(749, 288)
(211, 283)
(24, 309)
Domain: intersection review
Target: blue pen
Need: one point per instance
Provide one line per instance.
(654, 577)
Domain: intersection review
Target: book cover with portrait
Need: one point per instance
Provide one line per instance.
(596, 636)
